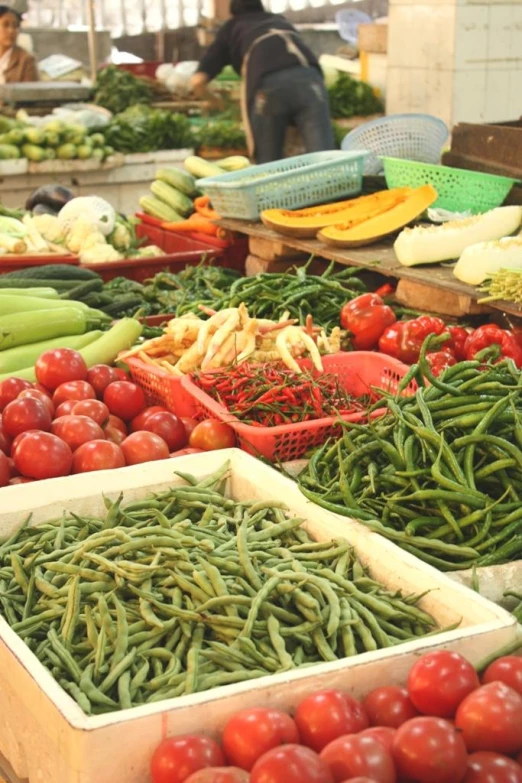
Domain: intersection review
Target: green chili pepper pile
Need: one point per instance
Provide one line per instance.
(187, 590)
(442, 470)
(270, 294)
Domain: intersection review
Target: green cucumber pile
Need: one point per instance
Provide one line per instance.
(34, 318)
(187, 590)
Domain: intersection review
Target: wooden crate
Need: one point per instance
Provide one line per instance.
(46, 738)
(373, 38)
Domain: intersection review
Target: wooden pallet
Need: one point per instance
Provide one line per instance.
(433, 288)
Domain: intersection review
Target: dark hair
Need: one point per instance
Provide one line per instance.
(240, 7)
(4, 9)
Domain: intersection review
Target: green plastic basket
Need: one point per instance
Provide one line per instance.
(459, 189)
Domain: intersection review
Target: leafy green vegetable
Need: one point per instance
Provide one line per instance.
(142, 129)
(116, 90)
(350, 98)
(224, 134)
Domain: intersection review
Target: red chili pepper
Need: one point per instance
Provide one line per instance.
(491, 334)
(403, 340)
(385, 290)
(366, 317)
(440, 360)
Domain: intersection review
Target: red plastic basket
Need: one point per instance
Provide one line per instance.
(16, 263)
(161, 388)
(361, 373)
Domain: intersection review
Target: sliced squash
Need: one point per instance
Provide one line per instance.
(380, 225)
(432, 244)
(307, 222)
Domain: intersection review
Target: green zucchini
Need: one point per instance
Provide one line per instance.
(7, 283)
(23, 304)
(118, 338)
(50, 271)
(41, 293)
(14, 359)
(24, 328)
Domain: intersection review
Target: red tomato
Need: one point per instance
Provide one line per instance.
(138, 422)
(389, 706)
(326, 715)
(20, 480)
(487, 767)
(355, 754)
(251, 733)
(439, 681)
(210, 435)
(100, 376)
(120, 375)
(10, 389)
(19, 438)
(117, 423)
(42, 388)
(36, 394)
(124, 399)
(189, 424)
(490, 718)
(178, 757)
(76, 430)
(12, 468)
(290, 764)
(5, 441)
(383, 734)
(22, 415)
(507, 670)
(97, 455)
(5, 471)
(41, 455)
(58, 366)
(93, 409)
(219, 775)
(429, 750)
(144, 447)
(169, 427)
(360, 780)
(73, 390)
(114, 435)
(65, 408)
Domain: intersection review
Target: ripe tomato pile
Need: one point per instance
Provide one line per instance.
(75, 420)
(444, 727)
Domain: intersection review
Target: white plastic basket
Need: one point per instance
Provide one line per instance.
(418, 137)
(292, 183)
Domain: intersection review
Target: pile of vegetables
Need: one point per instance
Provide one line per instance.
(265, 395)
(118, 90)
(84, 416)
(445, 726)
(231, 336)
(174, 195)
(439, 473)
(220, 134)
(55, 139)
(350, 97)
(142, 129)
(137, 626)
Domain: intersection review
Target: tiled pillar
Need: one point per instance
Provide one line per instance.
(458, 59)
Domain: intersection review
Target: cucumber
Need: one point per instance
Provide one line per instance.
(42, 293)
(24, 328)
(82, 289)
(26, 282)
(14, 359)
(50, 271)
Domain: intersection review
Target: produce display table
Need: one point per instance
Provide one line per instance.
(121, 180)
(432, 288)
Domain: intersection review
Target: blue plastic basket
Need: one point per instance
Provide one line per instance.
(292, 183)
(417, 137)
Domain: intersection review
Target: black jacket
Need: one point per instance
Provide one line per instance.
(235, 39)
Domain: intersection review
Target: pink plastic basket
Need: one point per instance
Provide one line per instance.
(360, 372)
(161, 388)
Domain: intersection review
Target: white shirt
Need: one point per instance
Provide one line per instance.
(5, 59)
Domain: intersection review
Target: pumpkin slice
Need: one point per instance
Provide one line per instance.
(307, 222)
(375, 228)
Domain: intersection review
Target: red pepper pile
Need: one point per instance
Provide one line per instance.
(265, 395)
(373, 326)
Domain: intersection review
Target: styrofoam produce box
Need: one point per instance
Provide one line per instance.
(46, 737)
(494, 581)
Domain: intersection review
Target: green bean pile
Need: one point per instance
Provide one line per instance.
(441, 473)
(188, 590)
(270, 294)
